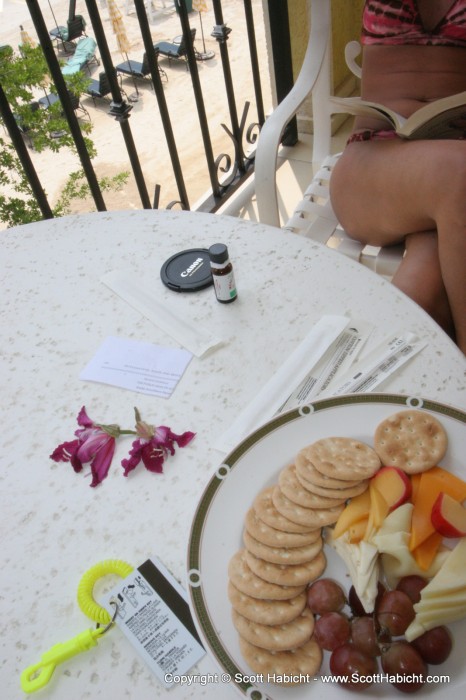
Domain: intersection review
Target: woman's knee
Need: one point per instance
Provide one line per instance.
(448, 190)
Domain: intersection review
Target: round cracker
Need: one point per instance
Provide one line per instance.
(294, 665)
(282, 555)
(290, 574)
(344, 494)
(293, 489)
(309, 517)
(276, 637)
(277, 538)
(343, 458)
(248, 582)
(308, 471)
(267, 512)
(412, 440)
(266, 612)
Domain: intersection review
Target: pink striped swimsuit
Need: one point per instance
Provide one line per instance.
(397, 22)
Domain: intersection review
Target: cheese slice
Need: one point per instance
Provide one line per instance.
(361, 560)
(452, 575)
(399, 520)
(397, 560)
(443, 600)
(430, 619)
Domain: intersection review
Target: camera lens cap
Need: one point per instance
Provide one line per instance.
(187, 271)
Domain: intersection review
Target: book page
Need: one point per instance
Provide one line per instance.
(441, 126)
(363, 108)
(432, 121)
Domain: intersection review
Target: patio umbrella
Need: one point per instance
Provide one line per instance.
(119, 30)
(201, 6)
(25, 38)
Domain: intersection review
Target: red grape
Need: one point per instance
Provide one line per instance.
(434, 645)
(364, 635)
(358, 668)
(412, 586)
(332, 630)
(395, 612)
(401, 660)
(325, 595)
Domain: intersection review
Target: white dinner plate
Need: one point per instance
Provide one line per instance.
(216, 533)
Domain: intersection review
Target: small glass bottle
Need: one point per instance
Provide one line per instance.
(222, 274)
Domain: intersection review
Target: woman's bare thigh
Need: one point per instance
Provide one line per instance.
(383, 190)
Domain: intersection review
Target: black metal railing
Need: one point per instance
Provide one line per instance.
(227, 170)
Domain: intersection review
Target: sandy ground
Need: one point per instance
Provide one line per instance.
(145, 121)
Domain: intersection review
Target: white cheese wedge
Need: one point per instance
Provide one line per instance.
(392, 541)
(362, 563)
(443, 600)
(399, 520)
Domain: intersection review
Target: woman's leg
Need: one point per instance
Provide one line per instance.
(384, 190)
(421, 262)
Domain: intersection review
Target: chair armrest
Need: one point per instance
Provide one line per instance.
(274, 126)
(352, 50)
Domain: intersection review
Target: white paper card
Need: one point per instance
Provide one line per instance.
(138, 366)
(152, 611)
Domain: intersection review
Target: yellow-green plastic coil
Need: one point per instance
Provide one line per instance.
(86, 600)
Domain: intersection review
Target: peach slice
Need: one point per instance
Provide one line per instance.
(448, 516)
(394, 485)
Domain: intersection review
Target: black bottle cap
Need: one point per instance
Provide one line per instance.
(218, 253)
(187, 271)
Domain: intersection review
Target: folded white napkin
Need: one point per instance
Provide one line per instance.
(161, 313)
(291, 373)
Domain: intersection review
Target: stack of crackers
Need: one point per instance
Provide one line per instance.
(283, 554)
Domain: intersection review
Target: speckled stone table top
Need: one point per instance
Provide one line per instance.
(55, 312)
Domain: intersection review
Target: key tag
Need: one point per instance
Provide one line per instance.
(38, 675)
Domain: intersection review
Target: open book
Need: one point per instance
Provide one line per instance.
(436, 120)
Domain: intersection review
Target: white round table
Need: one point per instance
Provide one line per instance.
(55, 314)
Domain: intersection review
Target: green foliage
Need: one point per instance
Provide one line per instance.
(77, 187)
(24, 76)
(23, 208)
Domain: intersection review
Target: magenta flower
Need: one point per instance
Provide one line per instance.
(94, 443)
(154, 444)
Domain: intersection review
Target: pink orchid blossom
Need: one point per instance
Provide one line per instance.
(153, 445)
(95, 444)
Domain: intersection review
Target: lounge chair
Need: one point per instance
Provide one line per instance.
(174, 51)
(313, 216)
(99, 89)
(138, 70)
(24, 127)
(50, 99)
(65, 36)
(82, 57)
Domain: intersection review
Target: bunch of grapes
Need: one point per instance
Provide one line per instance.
(357, 641)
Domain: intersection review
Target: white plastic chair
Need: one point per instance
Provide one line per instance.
(313, 216)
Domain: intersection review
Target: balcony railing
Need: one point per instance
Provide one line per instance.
(226, 171)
